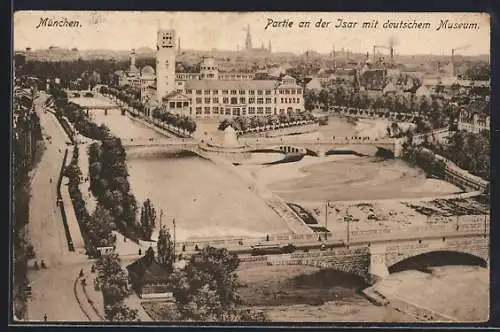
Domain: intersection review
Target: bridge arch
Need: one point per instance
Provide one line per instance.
(437, 258)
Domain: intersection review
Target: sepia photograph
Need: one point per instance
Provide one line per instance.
(250, 167)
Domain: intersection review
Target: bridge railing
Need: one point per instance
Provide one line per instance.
(301, 141)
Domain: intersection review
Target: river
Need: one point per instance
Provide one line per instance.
(208, 201)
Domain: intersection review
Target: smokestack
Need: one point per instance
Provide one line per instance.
(453, 62)
(392, 55)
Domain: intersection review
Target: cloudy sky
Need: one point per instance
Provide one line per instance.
(226, 31)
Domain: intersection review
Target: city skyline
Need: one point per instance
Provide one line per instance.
(98, 30)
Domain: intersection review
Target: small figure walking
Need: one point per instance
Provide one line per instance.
(140, 251)
(45, 317)
(81, 273)
(183, 247)
(267, 237)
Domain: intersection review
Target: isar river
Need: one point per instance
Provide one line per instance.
(208, 201)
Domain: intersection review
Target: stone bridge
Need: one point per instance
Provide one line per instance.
(375, 260)
(319, 147)
(172, 143)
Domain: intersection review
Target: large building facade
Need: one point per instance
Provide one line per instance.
(210, 92)
(216, 98)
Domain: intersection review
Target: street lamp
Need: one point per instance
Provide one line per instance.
(173, 222)
(327, 205)
(347, 219)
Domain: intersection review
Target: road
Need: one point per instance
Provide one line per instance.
(52, 288)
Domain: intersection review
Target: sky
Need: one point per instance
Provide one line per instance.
(227, 31)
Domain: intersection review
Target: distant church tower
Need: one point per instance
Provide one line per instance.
(248, 41)
(132, 58)
(165, 63)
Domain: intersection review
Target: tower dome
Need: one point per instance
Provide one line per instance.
(147, 71)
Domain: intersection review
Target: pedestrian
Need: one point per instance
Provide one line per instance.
(267, 237)
(140, 252)
(183, 247)
(45, 317)
(42, 263)
(81, 273)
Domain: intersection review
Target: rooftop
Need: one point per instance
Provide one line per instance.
(231, 84)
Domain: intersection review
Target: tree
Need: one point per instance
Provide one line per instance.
(112, 278)
(165, 249)
(119, 312)
(206, 289)
(148, 217)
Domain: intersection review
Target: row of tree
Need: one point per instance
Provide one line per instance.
(430, 163)
(469, 151)
(96, 228)
(245, 123)
(400, 103)
(109, 184)
(27, 147)
(131, 96)
(182, 122)
(75, 114)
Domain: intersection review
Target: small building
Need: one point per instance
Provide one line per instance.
(149, 279)
(422, 92)
(475, 117)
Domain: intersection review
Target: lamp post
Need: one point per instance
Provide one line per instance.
(173, 222)
(327, 203)
(347, 219)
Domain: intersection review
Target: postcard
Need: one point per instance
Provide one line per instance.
(250, 167)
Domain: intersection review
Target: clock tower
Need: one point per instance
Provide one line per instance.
(165, 63)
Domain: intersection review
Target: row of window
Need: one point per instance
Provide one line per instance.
(178, 104)
(290, 100)
(237, 111)
(234, 100)
(243, 92)
(243, 100)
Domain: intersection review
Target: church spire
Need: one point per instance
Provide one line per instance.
(248, 41)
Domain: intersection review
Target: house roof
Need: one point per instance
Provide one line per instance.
(148, 271)
(230, 84)
(176, 96)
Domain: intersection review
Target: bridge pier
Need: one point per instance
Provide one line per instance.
(378, 267)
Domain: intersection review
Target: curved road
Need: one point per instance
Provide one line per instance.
(52, 288)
